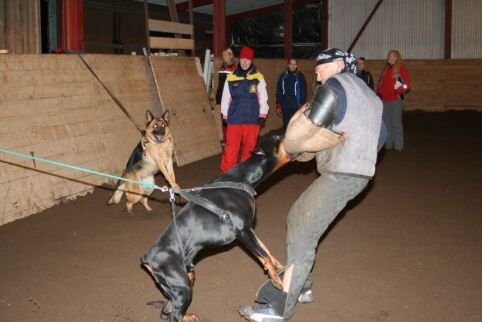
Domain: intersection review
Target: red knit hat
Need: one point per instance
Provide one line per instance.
(247, 53)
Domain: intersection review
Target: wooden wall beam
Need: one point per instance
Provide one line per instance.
(171, 27)
(171, 43)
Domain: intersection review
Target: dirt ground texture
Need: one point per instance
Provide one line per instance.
(407, 249)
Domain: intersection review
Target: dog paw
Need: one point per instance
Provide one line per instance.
(111, 201)
(277, 282)
(189, 317)
(278, 267)
(129, 208)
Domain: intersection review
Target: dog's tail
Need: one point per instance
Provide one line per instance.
(117, 195)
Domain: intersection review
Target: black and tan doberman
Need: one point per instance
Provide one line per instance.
(196, 228)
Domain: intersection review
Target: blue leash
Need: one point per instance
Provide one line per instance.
(151, 185)
(223, 215)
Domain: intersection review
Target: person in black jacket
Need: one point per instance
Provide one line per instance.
(228, 66)
(365, 74)
(290, 92)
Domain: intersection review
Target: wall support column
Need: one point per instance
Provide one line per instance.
(288, 41)
(219, 26)
(72, 17)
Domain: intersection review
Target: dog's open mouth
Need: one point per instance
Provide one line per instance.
(158, 137)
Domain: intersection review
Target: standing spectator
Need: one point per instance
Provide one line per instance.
(365, 74)
(290, 92)
(228, 66)
(342, 104)
(244, 108)
(392, 86)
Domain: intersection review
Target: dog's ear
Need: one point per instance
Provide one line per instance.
(165, 116)
(149, 117)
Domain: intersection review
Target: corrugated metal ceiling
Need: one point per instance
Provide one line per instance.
(232, 6)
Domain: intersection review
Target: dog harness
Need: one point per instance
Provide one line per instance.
(203, 202)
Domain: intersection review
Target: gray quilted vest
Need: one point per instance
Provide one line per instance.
(361, 128)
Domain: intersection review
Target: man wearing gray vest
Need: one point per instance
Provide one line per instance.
(342, 126)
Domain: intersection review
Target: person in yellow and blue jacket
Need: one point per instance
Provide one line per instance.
(244, 108)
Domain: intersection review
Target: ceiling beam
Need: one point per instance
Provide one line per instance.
(266, 10)
(195, 3)
(199, 3)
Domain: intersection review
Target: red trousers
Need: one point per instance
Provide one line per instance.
(244, 135)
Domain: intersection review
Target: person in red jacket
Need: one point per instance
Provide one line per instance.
(392, 86)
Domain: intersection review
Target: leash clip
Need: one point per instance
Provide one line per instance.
(171, 195)
(163, 189)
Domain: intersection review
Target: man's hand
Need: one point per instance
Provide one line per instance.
(261, 120)
(225, 122)
(279, 112)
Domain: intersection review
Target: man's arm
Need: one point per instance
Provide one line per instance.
(263, 99)
(225, 100)
(340, 111)
(279, 89)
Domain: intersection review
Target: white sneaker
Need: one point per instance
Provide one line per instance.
(260, 313)
(306, 297)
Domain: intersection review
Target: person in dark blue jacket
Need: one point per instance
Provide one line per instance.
(290, 92)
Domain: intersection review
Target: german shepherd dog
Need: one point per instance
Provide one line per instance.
(151, 155)
(196, 229)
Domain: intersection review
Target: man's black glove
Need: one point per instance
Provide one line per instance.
(261, 120)
(225, 122)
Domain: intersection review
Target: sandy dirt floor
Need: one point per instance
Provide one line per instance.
(408, 249)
